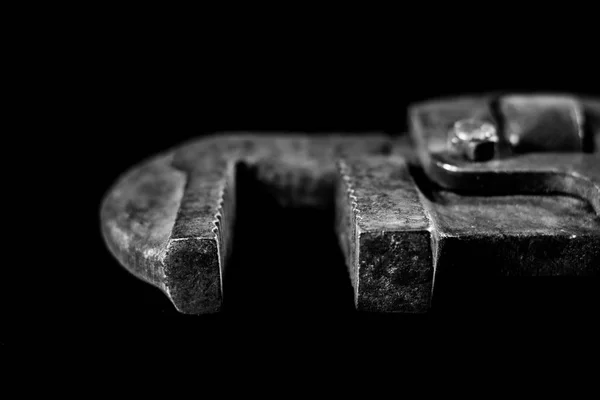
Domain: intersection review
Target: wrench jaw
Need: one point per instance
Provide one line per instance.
(395, 272)
(140, 217)
(384, 233)
(193, 275)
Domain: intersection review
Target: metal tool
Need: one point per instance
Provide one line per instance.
(494, 186)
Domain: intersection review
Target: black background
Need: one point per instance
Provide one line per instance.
(287, 285)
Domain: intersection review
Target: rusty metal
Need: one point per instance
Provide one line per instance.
(405, 220)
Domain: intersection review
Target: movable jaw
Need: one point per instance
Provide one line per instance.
(385, 233)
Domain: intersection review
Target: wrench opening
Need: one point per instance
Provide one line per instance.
(286, 258)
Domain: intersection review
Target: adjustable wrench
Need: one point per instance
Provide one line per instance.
(482, 186)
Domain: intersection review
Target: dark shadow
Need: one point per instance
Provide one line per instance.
(286, 261)
(590, 124)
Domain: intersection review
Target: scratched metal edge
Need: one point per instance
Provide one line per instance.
(141, 257)
(345, 219)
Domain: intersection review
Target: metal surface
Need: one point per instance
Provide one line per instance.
(473, 139)
(385, 233)
(543, 123)
(547, 172)
(170, 220)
